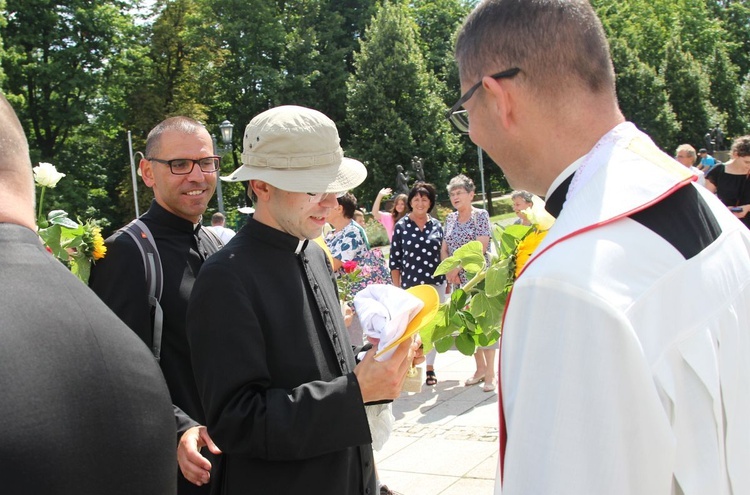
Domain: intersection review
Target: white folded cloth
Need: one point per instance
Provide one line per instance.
(384, 312)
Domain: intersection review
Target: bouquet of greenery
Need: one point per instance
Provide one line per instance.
(472, 317)
(76, 244)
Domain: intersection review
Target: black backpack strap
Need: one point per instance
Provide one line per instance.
(144, 239)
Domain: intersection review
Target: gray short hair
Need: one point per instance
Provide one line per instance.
(461, 181)
(525, 195)
(686, 147)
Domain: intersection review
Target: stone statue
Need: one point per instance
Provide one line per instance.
(416, 165)
(718, 138)
(709, 142)
(402, 181)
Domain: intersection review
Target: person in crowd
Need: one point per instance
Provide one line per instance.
(521, 201)
(224, 234)
(685, 154)
(348, 242)
(388, 219)
(359, 219)
(415, 251)
(85, 409)
(283, 395)
(345, 241)
(467, 224)
(610, 382)
(180, 167)
(707, 162)
(731, 181)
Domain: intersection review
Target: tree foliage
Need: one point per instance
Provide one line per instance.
(81, 73)
(394, 109)
(694, 57)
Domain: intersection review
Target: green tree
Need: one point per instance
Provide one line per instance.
(734, 16)
(340, 26)
(725, 92)
(58, 57)
(62, 60)
(394, 109)
(638, 83)
(438, 21)
(2, 25)
(743, 105)
(689, 92)
(180, 73)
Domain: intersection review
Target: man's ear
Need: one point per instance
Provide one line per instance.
(261, 189)
(146, 171)
(500, 94)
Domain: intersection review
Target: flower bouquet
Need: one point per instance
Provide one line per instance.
(472, 317)
(76, 244)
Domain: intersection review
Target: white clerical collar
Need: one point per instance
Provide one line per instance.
(569, 170)
(583, 168)
(300, 246)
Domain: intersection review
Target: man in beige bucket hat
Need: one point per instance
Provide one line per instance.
(283, 396)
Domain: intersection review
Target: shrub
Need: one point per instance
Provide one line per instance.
(375, 233)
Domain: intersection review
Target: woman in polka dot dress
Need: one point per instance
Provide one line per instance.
(415, 250)
(463, 225)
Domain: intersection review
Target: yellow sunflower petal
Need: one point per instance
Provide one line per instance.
(526, 248)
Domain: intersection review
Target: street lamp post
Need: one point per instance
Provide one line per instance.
(133, 172)
(481, 175)
(226, 129)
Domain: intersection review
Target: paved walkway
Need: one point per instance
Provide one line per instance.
(445, 437)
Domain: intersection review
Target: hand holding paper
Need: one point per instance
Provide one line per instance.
(390, 315)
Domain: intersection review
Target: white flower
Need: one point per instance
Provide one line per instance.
(538, 216)
(46, 175)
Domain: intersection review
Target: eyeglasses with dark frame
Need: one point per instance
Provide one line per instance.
(458, 116)
(318, 197)
(185, 166)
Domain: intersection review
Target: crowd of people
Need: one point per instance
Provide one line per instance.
(609, 380)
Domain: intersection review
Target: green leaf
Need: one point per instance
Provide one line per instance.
(497, 278)
(444, 344)
(60, 217)
(436, 329)
(442, 331)
(471, 256)
(426, 333)
(80, 266)
(467, 320)
(447, 265)
(517, 231)
(458, 300)
(488, 311)
(465, 344)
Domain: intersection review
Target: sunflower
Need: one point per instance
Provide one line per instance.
(99, 248)
(94, 242)
(526, 248)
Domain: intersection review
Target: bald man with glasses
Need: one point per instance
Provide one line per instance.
(181, 169)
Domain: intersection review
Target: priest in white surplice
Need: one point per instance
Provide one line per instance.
(625, 359)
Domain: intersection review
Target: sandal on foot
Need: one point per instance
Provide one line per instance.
(431, 378)
(474, 380)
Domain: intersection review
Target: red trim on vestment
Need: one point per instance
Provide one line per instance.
(503, 432)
